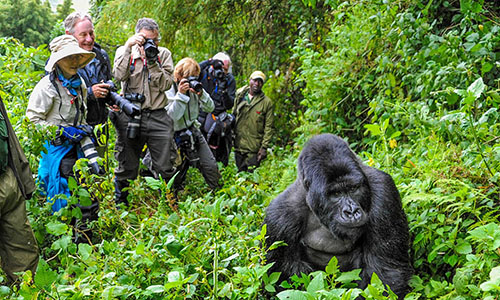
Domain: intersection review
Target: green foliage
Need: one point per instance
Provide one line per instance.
(30, 21)
(256, 35)
(64, 9)
(413, 87)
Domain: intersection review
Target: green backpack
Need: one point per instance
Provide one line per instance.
(4, 144)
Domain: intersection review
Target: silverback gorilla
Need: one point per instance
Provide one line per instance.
(340, 207)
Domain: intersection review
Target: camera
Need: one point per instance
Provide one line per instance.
(86, 145)
(218, 71)
(186, 141)
(133, 110)
(150, 49)
(134, 125)
(90, 152)
(135, 97)
(113, 98)
(195, 84)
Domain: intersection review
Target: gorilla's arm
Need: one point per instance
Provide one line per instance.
(286, 219)
(386, 242)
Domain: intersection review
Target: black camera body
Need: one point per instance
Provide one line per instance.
(133, 110)
(150, 49)
(124, 103)
(217, 69)
(186, 141)
(134, 124)
(195, 84)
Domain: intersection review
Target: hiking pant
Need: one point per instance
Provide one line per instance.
(246, 161)
(157, 132)
(18, 247)
(206, 163)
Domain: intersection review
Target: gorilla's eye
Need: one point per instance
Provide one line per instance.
(335, 194)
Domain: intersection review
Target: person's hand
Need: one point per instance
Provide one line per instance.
(100, 90)
(136, 39)
(73, 134)
(184, 86)
(86, 128)
(262, 154)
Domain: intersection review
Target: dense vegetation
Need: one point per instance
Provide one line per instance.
(414, 88)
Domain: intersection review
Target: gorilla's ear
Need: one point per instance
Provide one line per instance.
(302, 173)
(307, 183)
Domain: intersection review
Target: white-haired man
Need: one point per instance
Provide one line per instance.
(97, 72)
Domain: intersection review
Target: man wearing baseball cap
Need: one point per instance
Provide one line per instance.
(254, 122)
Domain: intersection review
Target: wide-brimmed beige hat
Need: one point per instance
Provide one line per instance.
(64, 46)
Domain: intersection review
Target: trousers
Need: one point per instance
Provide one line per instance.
(206, 162)
(156, 131)
(18, 247)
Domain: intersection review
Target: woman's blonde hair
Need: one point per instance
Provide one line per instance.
(186, 67)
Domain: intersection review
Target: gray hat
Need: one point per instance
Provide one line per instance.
(64, 46)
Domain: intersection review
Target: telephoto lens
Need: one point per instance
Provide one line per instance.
(90, 152)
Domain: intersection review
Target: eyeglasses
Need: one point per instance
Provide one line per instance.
(74, 57)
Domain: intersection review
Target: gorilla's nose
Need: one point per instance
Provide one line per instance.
(353, 215)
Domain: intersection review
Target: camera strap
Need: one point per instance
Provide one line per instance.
(189, 113)
(52, 78)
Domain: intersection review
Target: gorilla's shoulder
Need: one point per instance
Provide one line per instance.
(379, 181)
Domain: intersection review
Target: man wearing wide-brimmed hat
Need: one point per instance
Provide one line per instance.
(254, 123)
(58, 100)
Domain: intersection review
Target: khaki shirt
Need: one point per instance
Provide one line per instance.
(152, 82)
(46, 107)
(254, 122)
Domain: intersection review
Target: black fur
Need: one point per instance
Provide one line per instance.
(340, 207)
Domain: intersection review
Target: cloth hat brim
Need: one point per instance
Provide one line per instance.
(69, 50)
(258, 75)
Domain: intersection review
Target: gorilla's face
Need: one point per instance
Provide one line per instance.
(337, 189)
(342, 205)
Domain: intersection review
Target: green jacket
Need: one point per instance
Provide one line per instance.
(17, 160)
(254, 121)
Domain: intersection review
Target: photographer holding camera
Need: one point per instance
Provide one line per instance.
(185, 99)
(59, 99)
(97, 72)
(145, 72)
(221, 86)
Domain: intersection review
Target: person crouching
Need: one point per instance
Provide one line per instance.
(185, 99)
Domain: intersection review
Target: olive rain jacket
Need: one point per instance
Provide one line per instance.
(254, 121)
(17, 160)
(152, 82)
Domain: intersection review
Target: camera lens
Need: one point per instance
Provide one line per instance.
(133, 127)
(195, 84)
(150, 49)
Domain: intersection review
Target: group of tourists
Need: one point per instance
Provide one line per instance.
(187, 115)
